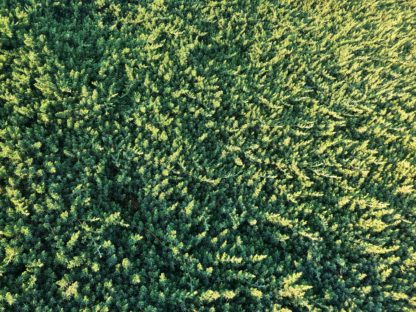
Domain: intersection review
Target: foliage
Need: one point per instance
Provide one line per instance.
(215, 155)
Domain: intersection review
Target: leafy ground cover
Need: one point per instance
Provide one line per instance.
(207, 155)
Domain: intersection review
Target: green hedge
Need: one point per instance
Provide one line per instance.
(207, 155)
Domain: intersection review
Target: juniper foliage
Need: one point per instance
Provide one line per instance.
(230, 155)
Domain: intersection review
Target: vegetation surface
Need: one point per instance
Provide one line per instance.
(207, 155)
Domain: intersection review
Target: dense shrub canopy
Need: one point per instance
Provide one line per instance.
(207, 155)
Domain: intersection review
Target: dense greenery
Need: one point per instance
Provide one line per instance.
(207, 155)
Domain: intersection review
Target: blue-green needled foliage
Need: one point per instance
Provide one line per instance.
(229, 155)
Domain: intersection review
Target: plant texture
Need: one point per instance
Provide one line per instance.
(198, 155)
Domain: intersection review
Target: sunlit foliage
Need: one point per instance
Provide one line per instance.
(207, 155)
